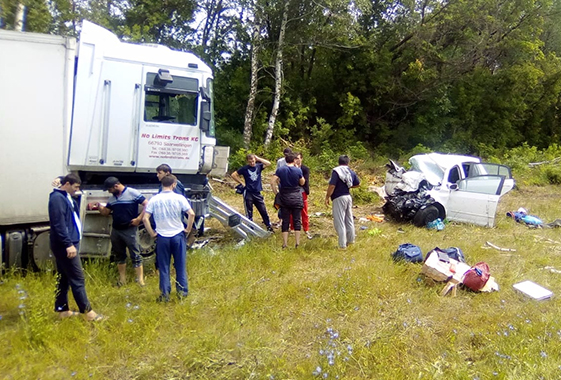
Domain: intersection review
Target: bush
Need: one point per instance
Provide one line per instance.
(361, 196)
(553, 174)
(237, 160)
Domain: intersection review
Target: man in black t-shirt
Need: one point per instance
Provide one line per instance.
(253, 187)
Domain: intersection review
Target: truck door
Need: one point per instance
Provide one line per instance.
(169, 121)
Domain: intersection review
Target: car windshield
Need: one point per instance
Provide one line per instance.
(430, 169)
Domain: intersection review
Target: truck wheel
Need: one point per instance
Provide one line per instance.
(43, 257)
(425, 215)
(146, 243)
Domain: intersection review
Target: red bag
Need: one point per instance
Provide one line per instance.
(476, 277)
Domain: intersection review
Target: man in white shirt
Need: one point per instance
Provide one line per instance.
(168, 209)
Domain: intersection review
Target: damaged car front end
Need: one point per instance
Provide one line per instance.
(459, 188)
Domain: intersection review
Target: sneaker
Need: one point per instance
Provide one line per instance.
(162, 298)
(309, 235)
(270, 229)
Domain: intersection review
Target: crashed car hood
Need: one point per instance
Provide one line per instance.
(434, 165)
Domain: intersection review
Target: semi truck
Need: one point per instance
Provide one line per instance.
(97, 107)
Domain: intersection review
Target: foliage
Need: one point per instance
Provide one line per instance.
(238, 159)
(363, 196)
(478, 77)
(553, 175)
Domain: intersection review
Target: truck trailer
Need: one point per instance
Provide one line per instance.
(97, 107)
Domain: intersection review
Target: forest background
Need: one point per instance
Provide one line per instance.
(354, 76)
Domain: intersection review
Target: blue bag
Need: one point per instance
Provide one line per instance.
(454, 253)
(408, 252)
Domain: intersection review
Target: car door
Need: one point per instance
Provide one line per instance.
(475, 200)
(475, 169)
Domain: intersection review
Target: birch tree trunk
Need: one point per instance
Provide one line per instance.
(248, 124)
(278, 78)
(18, 22)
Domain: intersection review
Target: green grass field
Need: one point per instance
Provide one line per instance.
(260, 312)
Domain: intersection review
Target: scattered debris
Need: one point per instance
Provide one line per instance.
(436, 224)
(534, 164)
(521, 216)
(441, 267)
(533, 290)
(375, 232)
(380, 190)
(378, 218)
(552, 269)
(499, 248)
(547, 240)
(199, 244)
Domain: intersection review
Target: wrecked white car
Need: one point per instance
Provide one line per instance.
(460, 188)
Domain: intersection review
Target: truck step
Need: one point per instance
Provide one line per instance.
(95, 235)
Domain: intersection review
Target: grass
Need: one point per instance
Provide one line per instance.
(260, 312)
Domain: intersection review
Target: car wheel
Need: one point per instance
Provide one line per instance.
(425, 215)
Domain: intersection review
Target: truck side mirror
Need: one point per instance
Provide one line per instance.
(206, 116)
(205, 93)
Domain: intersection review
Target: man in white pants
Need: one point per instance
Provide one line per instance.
(342, 180)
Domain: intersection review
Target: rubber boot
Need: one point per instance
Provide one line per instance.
(140, 275)
(122, 274)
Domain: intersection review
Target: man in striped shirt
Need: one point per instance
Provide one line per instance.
(123, 204)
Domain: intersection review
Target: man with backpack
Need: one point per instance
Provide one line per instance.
(342, 180)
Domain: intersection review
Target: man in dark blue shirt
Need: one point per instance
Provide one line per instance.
(338, 191)
(253, 187)
(65, 235)
(123, 203)
(287, 182)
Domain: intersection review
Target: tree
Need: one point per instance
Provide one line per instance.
(278, 77)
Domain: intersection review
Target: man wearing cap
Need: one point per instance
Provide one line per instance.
(123, 203)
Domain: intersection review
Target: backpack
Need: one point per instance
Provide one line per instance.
(408, 252)
(476, 277)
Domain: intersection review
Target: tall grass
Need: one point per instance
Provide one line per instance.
(261, 312)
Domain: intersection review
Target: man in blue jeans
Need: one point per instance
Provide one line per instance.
(168, 209)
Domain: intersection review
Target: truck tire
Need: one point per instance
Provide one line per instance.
(15, 249)
(146, 243)
(425, 215)
(43, 258)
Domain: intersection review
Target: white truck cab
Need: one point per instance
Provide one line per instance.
(138, 106)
